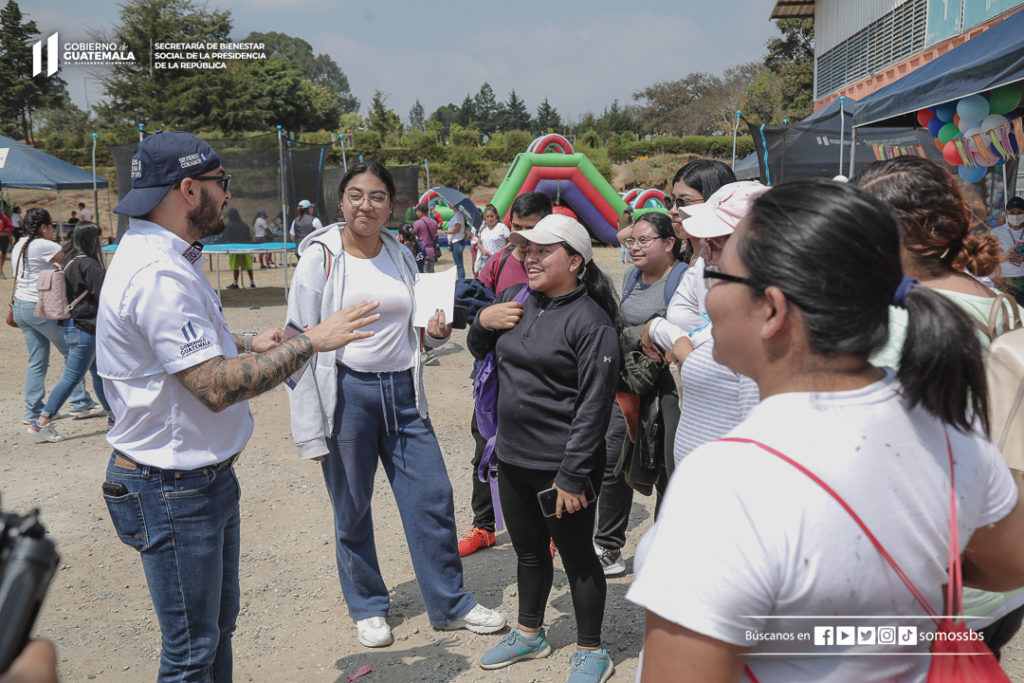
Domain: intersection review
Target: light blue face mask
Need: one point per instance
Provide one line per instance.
(1015, 220)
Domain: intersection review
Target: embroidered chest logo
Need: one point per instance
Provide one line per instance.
(194, 340)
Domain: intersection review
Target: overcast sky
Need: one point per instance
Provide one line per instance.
(581, 55)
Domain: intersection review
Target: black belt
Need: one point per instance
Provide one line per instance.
(124, 462)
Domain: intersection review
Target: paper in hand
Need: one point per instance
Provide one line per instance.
(434, 291)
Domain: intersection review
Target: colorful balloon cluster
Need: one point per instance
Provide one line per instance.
(977, 132)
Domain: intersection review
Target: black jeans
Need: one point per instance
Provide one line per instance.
(616, 497)
(530, 530)
(483, 507)
(1000, 632)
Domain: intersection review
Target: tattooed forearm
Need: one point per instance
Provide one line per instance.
(221, 382)
(239, 341)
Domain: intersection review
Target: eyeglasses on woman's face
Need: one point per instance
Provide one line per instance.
(376, 199)
(713, 273)
(682, 201)
(642, 242)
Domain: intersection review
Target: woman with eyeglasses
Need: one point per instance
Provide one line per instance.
(32, 254)
(799, 302)
(366, 403)
(658, 266)
(714, 397)
(558, 362)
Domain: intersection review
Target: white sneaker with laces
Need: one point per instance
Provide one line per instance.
(374, 632)
(478, 620)
(47, 432)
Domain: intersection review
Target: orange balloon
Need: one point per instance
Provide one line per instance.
(938, 145)
(956, 120)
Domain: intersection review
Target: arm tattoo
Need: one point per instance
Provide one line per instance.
(221, 382)
(239, 341)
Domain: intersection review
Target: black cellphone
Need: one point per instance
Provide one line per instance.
(549, 497)
(116, 489)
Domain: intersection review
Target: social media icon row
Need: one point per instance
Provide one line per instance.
(865, 635)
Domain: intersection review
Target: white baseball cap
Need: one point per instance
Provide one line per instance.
(556, 228)
(723, 210)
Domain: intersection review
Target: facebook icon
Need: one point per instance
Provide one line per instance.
(824, 635)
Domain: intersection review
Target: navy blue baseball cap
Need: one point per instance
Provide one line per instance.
(160, 161)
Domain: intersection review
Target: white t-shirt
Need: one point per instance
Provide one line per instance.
(1008, 239)
(456, 227)
(684, 309)
(259, 227)
(157, 316)
(743, 536)
(40, 252)
(714, 400)
(493, 239)
(390, 348)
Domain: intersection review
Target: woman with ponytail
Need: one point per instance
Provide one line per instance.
(32, 254)
(939, 250)
(748, 549)
(557, 356)
(942, 253)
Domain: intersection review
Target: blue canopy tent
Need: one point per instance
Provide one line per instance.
(26, 167)
(989, 60)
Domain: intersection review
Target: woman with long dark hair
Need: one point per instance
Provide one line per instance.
(32, 254)
(658, 258)
(366, 404)
(749, 550)
(558, 358)
(83, 277)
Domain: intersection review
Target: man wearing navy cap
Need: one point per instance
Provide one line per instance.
(174, 379)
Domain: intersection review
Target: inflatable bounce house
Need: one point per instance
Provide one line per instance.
(550, 165)
(645, 200)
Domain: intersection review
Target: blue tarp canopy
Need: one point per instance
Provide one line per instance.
(27, 167)
(989, 60)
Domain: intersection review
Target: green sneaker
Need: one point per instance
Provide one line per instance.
(591, 666)
(515, 647)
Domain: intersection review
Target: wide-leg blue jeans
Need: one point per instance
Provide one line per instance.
(376, 420)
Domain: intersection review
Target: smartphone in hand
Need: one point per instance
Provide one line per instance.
(549, 497)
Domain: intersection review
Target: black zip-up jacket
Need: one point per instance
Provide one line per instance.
(557, 371)
(81, 274)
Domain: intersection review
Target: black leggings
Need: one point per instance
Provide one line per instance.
(530, 532)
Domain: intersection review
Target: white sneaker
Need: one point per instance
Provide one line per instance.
(47, 432)
(96, 411)
(374, 632)
(478, 620)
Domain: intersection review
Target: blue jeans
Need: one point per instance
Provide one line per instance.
(457, 249)
(81, 358)
(39, 334)
(375, 419)
(185, 524)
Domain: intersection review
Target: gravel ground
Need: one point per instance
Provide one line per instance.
(293, 624)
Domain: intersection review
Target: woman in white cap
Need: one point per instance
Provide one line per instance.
(714, 398)
(558, 362)
(770, 541)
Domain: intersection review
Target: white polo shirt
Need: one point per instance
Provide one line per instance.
(157, 316)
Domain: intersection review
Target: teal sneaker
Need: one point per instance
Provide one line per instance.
(591, 666)
(515, 647)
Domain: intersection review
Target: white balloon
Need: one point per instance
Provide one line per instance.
(993, 121)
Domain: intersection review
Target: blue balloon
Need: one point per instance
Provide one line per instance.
(934, 125)
(972, 174)
(946, 111)
(972, 108)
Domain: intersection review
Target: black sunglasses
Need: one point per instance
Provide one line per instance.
(224, 180)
